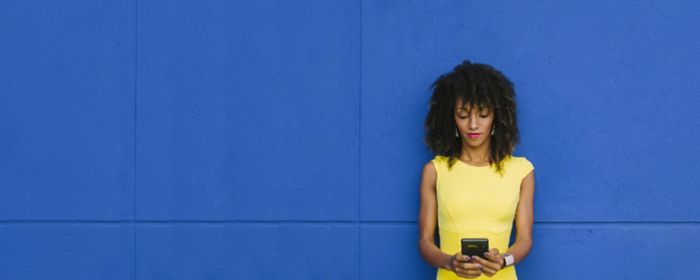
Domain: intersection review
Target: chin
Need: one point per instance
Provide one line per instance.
(476, 144)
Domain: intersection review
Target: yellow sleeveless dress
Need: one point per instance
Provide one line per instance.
(476, 202)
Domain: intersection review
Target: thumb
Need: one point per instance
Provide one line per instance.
(461, 258)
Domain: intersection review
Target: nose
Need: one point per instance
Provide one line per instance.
(472, 123)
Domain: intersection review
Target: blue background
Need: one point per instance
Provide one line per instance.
(162, 139)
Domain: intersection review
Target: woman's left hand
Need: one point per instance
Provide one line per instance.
(493, 262)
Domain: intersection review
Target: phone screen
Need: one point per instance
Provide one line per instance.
(475, 246)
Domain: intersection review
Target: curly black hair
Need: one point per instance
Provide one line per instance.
(478, 84)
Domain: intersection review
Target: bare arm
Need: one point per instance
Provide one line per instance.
(524, 219)
(427, 221)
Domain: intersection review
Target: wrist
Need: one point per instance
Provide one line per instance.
(450, 263)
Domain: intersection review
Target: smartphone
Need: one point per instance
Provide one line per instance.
(475, 246)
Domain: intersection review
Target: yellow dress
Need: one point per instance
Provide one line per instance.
(476, 202)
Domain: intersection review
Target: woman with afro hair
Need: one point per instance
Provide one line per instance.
(474, 187)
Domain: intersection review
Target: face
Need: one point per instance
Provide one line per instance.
(474, 125)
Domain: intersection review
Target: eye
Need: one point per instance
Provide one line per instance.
(485, 112)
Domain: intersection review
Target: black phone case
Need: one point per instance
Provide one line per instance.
(475, 246)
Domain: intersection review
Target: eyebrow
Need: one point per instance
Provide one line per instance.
(480, 109)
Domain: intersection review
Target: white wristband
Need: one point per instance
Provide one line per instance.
(510, 259)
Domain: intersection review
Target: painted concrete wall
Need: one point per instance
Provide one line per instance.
(158, 139)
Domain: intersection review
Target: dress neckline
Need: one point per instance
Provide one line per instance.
(480, 167)
(474, 166)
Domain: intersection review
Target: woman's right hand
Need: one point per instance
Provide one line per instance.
(464, 267)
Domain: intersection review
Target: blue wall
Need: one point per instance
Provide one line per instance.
(160, 139)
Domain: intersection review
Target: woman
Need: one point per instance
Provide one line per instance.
(474, 187)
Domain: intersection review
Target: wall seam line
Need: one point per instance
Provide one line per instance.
(359, 154)
(135, 154)
(299, 222)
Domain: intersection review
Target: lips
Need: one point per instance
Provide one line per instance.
(473, 135)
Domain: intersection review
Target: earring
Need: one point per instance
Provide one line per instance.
(492, 130)
(456, 133)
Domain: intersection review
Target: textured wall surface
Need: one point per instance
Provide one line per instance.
(161, 139)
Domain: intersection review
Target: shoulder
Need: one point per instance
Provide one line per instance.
(433, 164)
(429, 175)
(429, 166)
(521, 165)
(436, 164)
(440, 161)
(440, 158)
(521, 161)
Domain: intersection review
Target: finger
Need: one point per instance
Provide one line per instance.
(463, 258)
(454, 259)
(459, 271)
(486, 263)
(480, 260)
(493, 255)
(471, 265)
(497, 259)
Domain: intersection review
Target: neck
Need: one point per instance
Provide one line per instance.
(475, 154)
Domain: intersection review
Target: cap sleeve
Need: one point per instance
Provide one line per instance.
(437, 162)
(526, 167)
